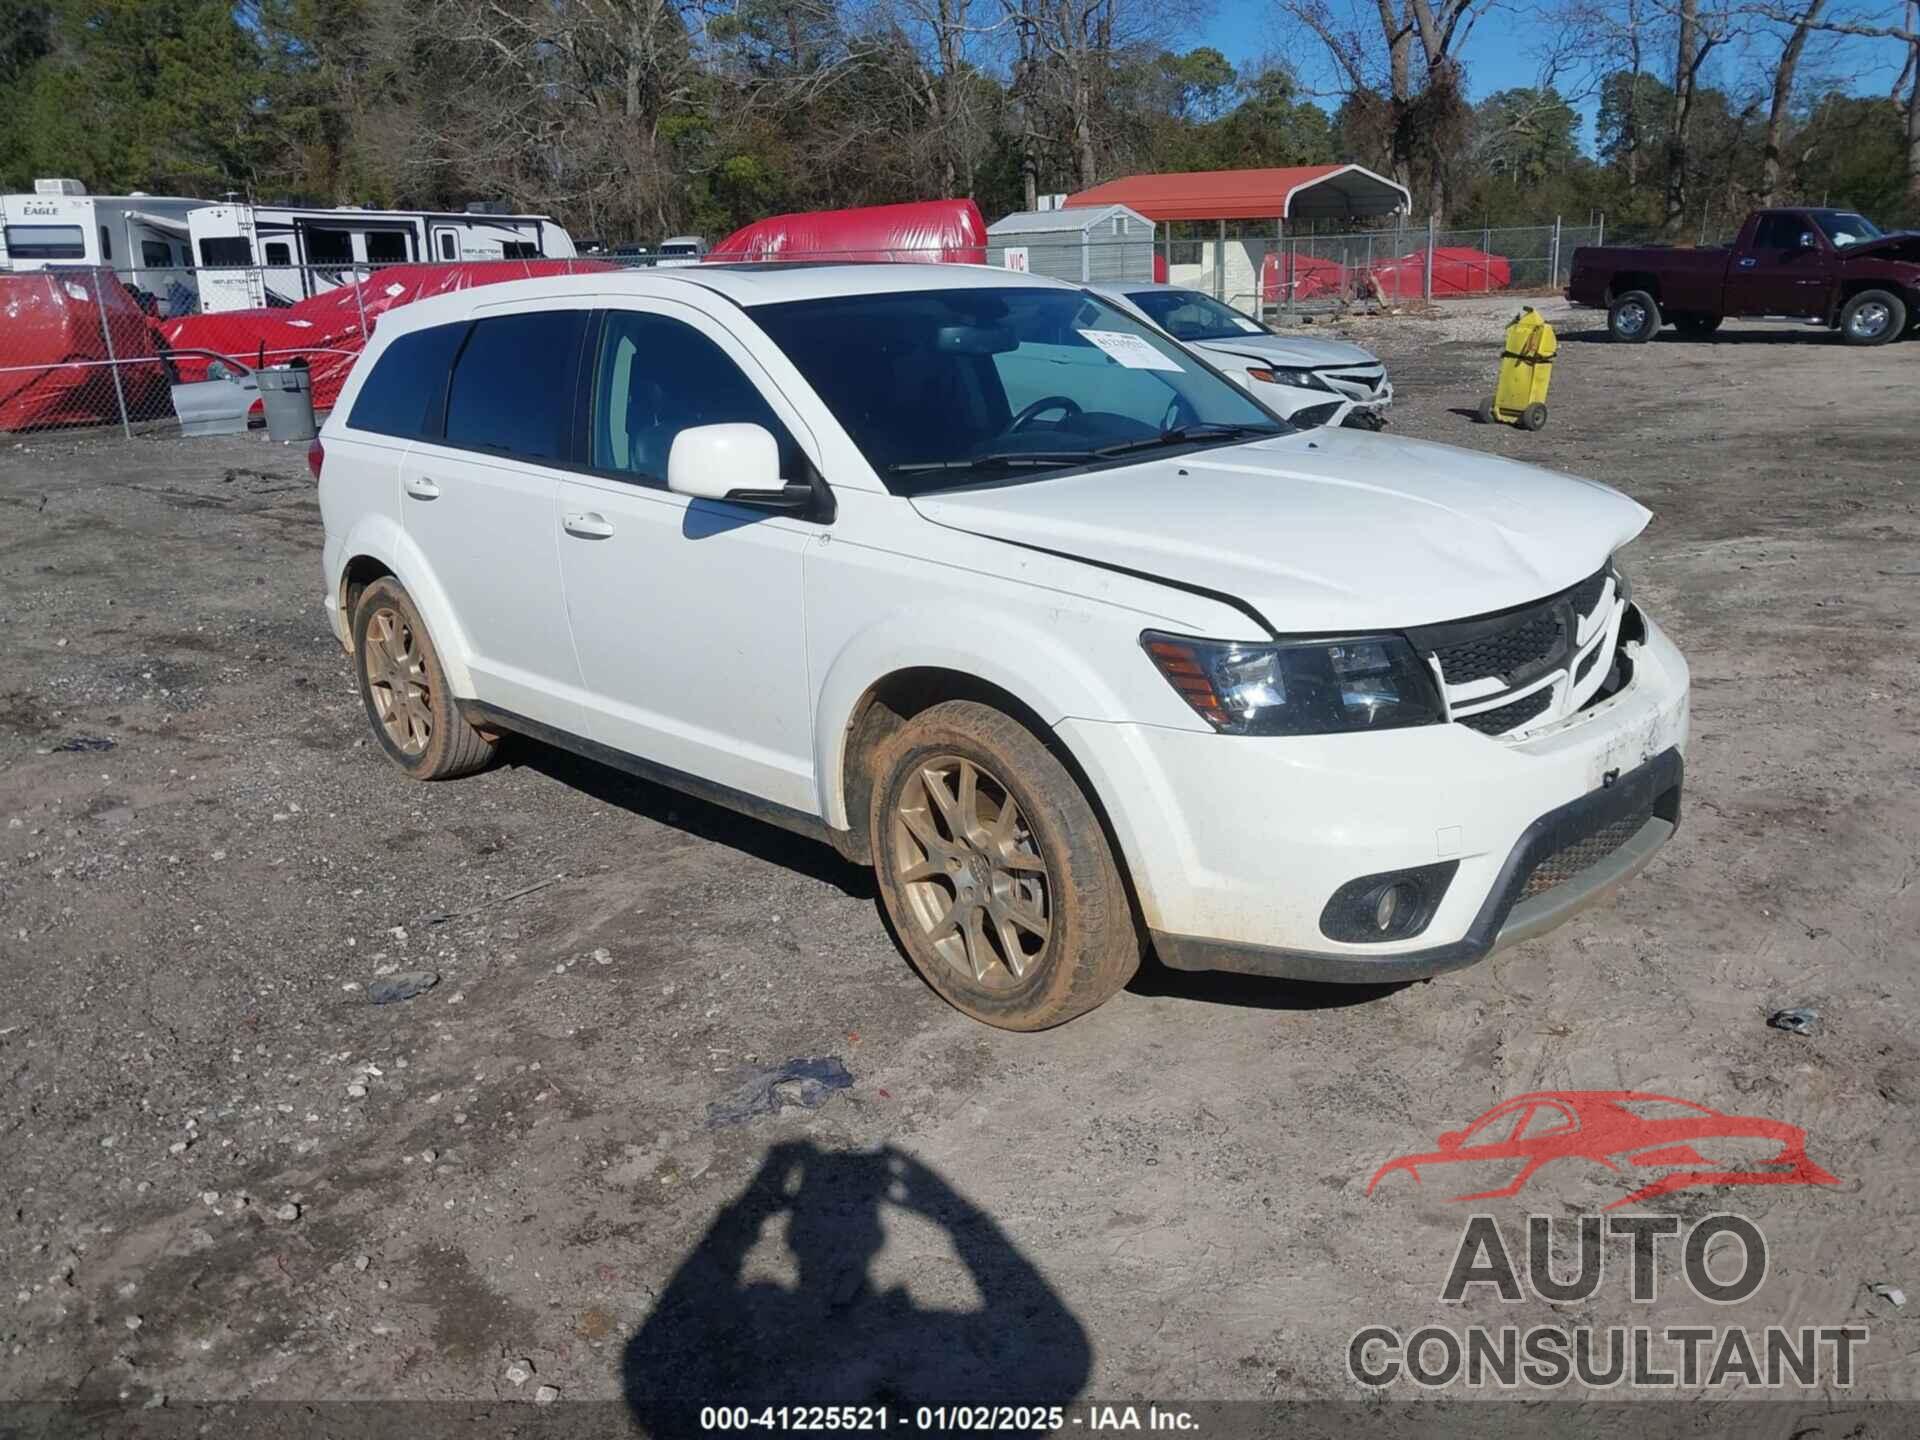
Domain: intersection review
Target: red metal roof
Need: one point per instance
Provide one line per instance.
(1294, 193)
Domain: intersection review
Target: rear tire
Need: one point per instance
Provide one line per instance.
(996, 872)
(1873, 317)
(405, 689)
(1634, 317)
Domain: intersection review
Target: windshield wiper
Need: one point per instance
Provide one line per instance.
(1181, 434)
(1007, 460)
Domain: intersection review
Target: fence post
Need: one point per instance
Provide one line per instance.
(106, 333)
(1429, 286)
(360, 304)
(1600, 235)
(1553, 271)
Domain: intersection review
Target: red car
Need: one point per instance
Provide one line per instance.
(1677, 1143)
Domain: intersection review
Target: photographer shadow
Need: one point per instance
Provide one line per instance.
(715, 1338)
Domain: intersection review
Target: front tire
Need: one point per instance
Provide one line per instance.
(405, 689)
(1634, 317)
(1873, 317)
(996, 873)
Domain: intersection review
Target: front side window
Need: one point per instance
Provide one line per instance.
(942, 388)
(513, 386)
(1189, 315)
(1779, 232)
(408, 383)
(46, 242)
(655, 377)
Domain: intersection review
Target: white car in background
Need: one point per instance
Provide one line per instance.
(1310, 382)
(992, 586)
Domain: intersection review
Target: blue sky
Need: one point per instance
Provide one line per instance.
(1506, 47)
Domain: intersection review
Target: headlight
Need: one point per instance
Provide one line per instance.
(1306, 687)
(1299, 379)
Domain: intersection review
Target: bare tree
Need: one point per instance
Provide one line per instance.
(1906, 34)
(1698, 32)
(1375, 49)
(1781, 100)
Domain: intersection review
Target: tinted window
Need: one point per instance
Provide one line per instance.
(225, 250)
(279, 253)
(407, 380)
(387, 245)
(1779, 232)
(513, 388)
(155, 252)
(520, 250)
(46, 242)
(446, 245)
(106, 244)
(655, 377)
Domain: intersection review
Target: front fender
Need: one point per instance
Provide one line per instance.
(381, 538)
(1046, 668)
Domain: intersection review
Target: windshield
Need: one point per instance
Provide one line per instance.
(1189, 315)
(1844, 228)
(943, 388)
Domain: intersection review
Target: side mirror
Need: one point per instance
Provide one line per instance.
(740, 463)
(1807, 240)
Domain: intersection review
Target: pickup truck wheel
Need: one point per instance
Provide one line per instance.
(1634, 317)
(1697, 327)
(1873, 317)
(996, 873)
(405, 690)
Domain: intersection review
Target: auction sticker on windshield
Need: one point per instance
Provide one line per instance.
(1131, 351)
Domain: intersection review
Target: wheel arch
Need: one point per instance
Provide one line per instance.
(1627, 280)
(378, 548)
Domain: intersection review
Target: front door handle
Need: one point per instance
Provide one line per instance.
(1747, 262)
(590, 525)
(421, 488)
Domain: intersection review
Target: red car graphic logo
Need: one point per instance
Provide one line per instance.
(1628, 1132)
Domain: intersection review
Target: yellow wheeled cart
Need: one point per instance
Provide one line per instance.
(1526, 366)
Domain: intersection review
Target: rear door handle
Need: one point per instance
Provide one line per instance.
(421, 488)
(590, 525)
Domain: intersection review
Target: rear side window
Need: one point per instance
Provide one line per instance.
(513, 389)
(408, 381)
(226, 250)
(1779, 232)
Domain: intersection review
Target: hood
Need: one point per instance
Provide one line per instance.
(1290, 350)
(1903, 247)
(1325, 530)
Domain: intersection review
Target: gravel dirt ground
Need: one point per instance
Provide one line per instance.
(228, 1175)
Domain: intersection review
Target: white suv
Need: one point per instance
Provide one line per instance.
(987, 583)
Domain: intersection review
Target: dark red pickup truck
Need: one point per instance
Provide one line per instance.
(1830, 267)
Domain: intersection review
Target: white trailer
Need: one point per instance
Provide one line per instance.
(276, 254)
(143, 237)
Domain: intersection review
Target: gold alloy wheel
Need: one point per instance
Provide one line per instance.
(970, 872)
(397, 677)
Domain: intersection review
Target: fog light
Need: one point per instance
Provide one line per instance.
(1393, 899)
(1392, 906)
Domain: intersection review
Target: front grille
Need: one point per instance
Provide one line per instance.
(1586, 594)
(1502, 718)
(1363, 384)
(1568, 861)
(1533, 638)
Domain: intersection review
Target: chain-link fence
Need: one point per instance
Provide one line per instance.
(82, 346)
